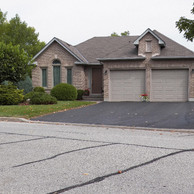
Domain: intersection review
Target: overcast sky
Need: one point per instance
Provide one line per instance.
(75, 21)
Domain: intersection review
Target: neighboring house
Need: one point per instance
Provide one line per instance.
(120, 68)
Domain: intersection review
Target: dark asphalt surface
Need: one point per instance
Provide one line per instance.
(179, 115)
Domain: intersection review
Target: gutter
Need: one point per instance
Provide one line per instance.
(172, 57)
(121, 59)
(88, 64)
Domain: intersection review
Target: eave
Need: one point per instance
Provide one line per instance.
(122, 59)
(160, 41)
(49, 43)
(88, 64)
(172, 57)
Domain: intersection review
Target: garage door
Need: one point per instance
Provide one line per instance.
(169, 85)
(126, 85)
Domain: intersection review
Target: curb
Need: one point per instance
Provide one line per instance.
(15, 119)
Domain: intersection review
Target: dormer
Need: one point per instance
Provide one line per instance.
(149, 44)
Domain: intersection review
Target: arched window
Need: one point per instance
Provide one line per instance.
(56, 61)
(56, 72)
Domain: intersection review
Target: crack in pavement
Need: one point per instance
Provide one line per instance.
(63, 153)
(94, 141)
(102, 178)
(26, 140)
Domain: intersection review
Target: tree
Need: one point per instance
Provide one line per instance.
(18, 32)
(125, 33)
(13, 63)
(187, 26)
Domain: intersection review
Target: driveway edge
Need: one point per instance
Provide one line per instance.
(15, 119)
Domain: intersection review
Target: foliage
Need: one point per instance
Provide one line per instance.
(125, 33)
(86, 92)
(39, 89)
(39, 98)
(10, 95)
(25, 85)
(13, 63)
(42, 98)
(18, 32)
(64, 91)
(187, 26)
(30, 111)
(29, 95)
(80, 93)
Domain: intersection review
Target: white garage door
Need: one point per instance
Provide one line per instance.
(127, 85)
(169, 85)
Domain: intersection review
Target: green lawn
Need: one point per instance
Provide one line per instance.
(29, 111)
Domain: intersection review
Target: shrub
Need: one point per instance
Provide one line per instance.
(39, 89)
(80, 93)
(42, 98)
(25, 85)
(64, 91)
(29, 95)
(10, 95)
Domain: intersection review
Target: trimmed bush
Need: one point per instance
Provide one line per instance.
(25, 85)
(29, 95)
(80, 94)
(10, 95)
(42, 98)
(64, 91)
(39, 89)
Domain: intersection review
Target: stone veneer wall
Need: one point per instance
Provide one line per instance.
(55, 51)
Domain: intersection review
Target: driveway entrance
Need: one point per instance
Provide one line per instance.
(179, 115)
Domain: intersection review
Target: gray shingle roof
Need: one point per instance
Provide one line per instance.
(173, 48)
(108, 47)
(123, 47)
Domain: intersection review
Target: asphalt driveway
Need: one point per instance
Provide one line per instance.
(178, 115)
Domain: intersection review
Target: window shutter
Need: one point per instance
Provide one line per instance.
(69, 76)
(44, 77)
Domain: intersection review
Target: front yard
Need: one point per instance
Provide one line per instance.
(29, 111)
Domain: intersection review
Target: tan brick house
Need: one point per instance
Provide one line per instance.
(120, 68)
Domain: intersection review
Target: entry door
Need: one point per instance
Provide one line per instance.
(96, 80)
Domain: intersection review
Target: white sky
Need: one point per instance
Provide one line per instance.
(75, 21)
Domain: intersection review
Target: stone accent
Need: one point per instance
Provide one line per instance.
(45, 60)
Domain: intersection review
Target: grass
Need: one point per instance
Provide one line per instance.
(29, 111)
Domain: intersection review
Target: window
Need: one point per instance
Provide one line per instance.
(56, 72)
(44, 77)
(56, 75)
(148, 46)
(69, 76)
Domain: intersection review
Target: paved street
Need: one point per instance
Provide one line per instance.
(43, 158)
(172, 115)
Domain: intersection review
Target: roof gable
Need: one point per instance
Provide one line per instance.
(65, 45)
(160, 41)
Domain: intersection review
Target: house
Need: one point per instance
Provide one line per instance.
(120, 68)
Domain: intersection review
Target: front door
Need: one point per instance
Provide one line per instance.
(96, 80)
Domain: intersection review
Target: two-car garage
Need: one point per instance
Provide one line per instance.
(165, 85)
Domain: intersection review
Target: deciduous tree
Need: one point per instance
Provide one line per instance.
(187, 26)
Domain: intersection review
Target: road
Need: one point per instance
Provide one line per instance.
(59, 158)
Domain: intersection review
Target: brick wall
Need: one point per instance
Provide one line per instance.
(55, 51)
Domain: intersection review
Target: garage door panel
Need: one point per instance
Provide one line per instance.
(126, 85)
(169, 85)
